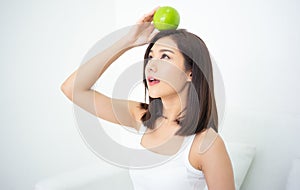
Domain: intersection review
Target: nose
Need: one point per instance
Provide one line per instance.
(151, 66)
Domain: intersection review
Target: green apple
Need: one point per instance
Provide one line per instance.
(166, 18)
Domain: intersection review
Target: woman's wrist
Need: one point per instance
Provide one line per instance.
(126, 43)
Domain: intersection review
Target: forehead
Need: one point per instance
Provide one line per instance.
(165, 42)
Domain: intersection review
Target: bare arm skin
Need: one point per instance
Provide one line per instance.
(77, 87)
(216, 164)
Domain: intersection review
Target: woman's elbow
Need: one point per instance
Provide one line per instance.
(67, 90)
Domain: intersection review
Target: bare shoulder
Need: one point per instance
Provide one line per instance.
(204, 140)
(212, 159)
(207, 145)
(208, 139)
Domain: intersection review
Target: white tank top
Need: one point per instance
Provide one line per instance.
(176, 174)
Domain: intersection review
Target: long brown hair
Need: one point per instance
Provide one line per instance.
(201, 111)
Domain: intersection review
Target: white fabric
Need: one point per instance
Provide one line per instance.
(293, 182)
(175, 174)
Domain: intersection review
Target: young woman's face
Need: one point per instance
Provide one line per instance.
(165, 73)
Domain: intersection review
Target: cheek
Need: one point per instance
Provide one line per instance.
(172, 75)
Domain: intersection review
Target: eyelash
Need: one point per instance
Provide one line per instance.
(165, 55)
(162, 56)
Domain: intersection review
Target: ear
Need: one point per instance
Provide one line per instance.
(189, 76)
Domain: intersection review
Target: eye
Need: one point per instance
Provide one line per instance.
(150, 57)
(165, 56)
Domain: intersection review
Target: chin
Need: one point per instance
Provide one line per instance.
(154, 96)
(162, 92)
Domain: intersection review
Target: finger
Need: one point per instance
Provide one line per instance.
(154, 10)
(140, 21)
(148, 17)
(151, 13)
(145, 18)
(154, 32)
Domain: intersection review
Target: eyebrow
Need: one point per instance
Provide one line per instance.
(163, 50)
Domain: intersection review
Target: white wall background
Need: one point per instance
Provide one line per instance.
(42, 42)
(255, 44)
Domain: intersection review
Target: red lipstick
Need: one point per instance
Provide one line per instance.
(152, 81)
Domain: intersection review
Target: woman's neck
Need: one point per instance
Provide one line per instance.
(174, 104)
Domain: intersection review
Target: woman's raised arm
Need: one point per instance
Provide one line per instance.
(77, 87)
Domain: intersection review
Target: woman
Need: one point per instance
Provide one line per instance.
(178, 77)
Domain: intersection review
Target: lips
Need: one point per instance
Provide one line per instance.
(152, 81)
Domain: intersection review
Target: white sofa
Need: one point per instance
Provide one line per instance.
(92, 177)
